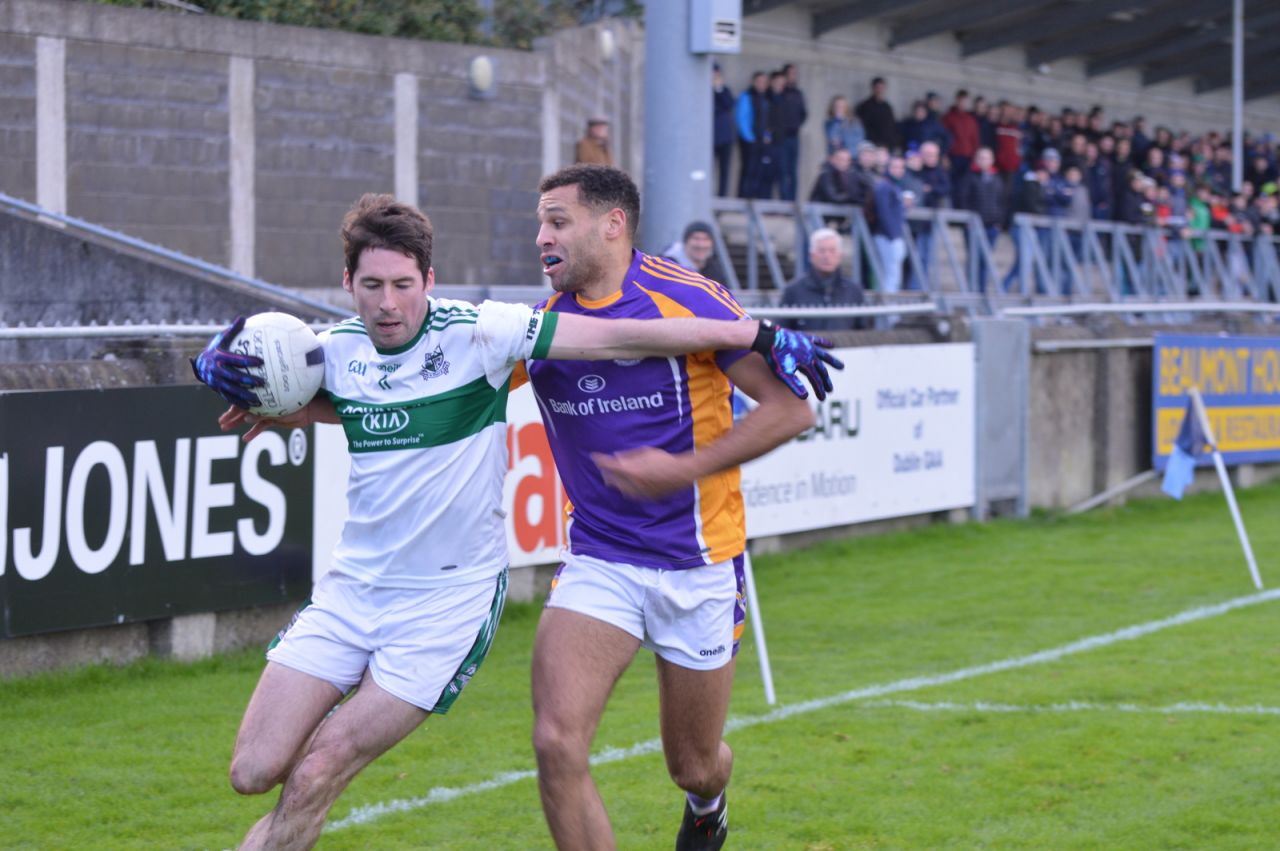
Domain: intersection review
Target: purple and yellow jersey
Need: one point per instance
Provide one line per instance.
(676, 404)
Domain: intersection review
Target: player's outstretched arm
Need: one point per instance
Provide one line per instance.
(222, 370)
(318, 410)
(788, 353)
(648, 473)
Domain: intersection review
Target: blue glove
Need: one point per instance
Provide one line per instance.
(223, 370)
(788, 352)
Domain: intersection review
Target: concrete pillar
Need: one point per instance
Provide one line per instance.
(677, 128)
(51, 124)
(407, 138)
(242, 165)
(550, 118)
(185, 637)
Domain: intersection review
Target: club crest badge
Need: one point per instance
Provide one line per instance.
(434, 365)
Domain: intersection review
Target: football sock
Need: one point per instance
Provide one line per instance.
(702, 806)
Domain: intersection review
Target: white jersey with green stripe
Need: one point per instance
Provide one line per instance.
(426, 428)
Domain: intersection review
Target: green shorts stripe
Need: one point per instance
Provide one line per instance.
(292, 621)
(478, 652)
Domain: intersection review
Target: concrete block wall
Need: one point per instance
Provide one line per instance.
(18, 115)
(588, 85)
(244, 143)
(147, 145)
(324, 136)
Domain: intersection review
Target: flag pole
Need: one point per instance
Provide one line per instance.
(757, 629)
(1198, 405)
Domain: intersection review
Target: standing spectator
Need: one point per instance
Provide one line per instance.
(752, 113)
(1078, 212)
(696, 251)
(877, 119)
(963, 127)
(1056, 199)
(1079, 209)
(986, 128)
(792, 114)
(1008, 140)
(1260, 172)
(772, 173)
(1076, 153)
(933, 102)
(1035, 134)
(824, 285)
(922, 127)
(593, 147)
(1219, 171)
(865, 171)
(842, 128)
(1141, 141)
(1154, 166)
(1029, 196)
(1095, 126)
(1098, 177)
(722, 133)
(934, 194)
(889, 226)
(983, 193)
(836, 183)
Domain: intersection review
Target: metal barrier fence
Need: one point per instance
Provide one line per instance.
(953, 259)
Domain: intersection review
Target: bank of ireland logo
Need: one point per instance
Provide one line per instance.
(590, 384)
(434, 365)
(385, 422)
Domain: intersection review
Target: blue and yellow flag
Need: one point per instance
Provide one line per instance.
(1180, 469)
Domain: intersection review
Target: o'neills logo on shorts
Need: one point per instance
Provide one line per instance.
(596, 406)
(715, 652)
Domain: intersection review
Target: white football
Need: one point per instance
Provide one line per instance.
(292, 362)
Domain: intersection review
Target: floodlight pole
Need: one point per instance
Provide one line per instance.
(1237, 94)
(677, 127)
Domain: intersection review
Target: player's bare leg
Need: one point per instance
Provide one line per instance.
(282, 715)
(693, 706)
(576, 662)
(364, 728)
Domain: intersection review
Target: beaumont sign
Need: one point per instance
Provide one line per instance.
(1239, 380)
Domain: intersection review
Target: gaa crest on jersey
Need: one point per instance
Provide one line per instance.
(434, 365)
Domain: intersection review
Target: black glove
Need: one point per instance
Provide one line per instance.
(788, 352)
(222, 370)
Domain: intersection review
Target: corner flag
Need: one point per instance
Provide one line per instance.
(1194, 437)
(1180, 469)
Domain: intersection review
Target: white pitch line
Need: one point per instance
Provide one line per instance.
(1073, 706)
(366, 814)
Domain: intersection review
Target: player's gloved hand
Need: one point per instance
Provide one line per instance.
(223, 370)
(788, 352)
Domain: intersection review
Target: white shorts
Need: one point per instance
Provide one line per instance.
(692, 618)
(420, 645)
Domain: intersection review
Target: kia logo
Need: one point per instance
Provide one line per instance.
(590, 384)
(385, 422)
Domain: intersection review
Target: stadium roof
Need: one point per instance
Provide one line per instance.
(1165, 39)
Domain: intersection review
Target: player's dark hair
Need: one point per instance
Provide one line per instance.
(380, 221)
(600, 187)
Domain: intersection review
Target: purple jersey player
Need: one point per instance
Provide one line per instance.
(649, 454)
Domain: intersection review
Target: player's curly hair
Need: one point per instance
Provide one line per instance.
(600, 187)
(380, 221)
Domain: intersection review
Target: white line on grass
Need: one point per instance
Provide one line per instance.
(982, 706)
(366, 814)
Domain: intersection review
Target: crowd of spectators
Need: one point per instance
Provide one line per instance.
(995, 158)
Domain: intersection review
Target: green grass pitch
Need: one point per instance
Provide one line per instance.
(1165, 741)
